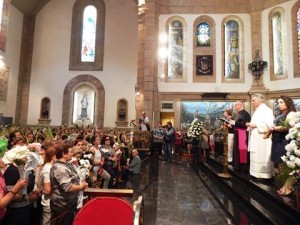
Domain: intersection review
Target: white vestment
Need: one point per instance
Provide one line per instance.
(259, 148)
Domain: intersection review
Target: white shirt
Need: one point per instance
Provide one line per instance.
(143, 123)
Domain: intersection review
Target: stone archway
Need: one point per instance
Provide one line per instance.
(68, 98)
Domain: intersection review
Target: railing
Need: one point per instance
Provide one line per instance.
(99, 192)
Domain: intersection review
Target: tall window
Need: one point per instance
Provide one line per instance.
(295, 13)
(298, 32)
(87, 37)
(89, 34)
(175, 47)
(203, 34)
(1, 13)
(4, 8)
(277, 44)
(232, 50)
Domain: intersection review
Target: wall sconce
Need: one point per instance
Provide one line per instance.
(137, 90)
(257, 66)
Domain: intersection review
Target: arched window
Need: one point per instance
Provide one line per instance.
(1, 13)
(233, 50)
(87, 37)
(278, 51)
(89, 34)
(298, 31)
(176, 29)
(295, 14)
(232, 53)
(203, 34)
(175, 46)
(4, 8)
(277, 44)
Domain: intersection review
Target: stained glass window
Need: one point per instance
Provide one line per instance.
(298, 31)
(175, 48)
(232, 51)
(203, 34)
(89, 34)
(1, 13)
(277, 44)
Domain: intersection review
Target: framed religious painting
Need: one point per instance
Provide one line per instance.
(276, 110)
(297, 103)
(204, 65)
(206, 111)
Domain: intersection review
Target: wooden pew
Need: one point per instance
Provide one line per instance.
(99, 192)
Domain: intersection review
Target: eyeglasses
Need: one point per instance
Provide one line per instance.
(107, 139)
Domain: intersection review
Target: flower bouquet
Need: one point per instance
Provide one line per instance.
(195, 130)
(83, 171)
(291, 167)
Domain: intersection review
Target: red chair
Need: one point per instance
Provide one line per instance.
(107, 211)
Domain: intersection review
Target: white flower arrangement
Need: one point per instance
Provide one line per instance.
(195, 129)
(292, 156)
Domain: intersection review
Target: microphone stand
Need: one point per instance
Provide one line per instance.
(225, 173)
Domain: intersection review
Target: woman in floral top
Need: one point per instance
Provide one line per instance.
(65, 185)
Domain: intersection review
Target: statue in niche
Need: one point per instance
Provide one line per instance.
(45, 113)
(84, 105)
(122, 114)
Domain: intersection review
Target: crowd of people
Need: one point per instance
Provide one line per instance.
(72, 159)
(256, 143)
(68, 160)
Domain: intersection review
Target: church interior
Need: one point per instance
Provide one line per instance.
(102, 63)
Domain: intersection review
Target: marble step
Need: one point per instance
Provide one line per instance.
(259, 197)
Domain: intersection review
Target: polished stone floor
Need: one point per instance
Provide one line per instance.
(173, 194)
(182, 192)
(183, 199)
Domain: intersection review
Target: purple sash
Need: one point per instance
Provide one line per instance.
(242, 143)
